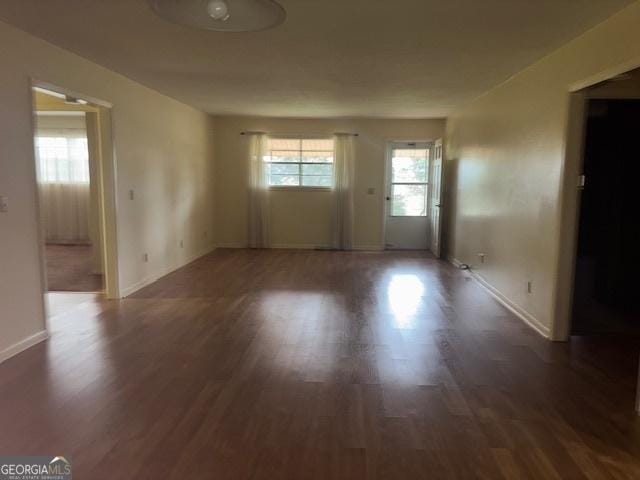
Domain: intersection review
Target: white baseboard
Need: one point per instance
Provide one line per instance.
(231, 245)
(22, 345)
(131, 289)
(454, 262)
(69, 243)
(368, 248)
(514, 308)
(286, 246)
(303, 246)
(298, 246)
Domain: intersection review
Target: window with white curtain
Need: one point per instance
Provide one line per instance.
(62, 156)
(300, 162)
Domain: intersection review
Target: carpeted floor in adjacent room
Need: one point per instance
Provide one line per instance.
(70, 269)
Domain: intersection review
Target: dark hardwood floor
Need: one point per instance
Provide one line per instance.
(319, 365)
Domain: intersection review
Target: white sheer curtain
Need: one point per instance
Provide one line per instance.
(63, 179)
(258, 192)
(344, 173)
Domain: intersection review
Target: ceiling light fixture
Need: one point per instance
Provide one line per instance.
(218, 10)
(222, 15)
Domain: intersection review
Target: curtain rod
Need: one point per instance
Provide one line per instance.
(249, 132)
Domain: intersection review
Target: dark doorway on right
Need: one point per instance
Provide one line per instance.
(607, 278)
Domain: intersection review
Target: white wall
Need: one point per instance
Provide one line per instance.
(302, 218)
(163, 149)
(506, 152)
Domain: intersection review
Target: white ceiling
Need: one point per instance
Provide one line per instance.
(372, 58)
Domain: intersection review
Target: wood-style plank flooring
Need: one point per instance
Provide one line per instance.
(319, 365)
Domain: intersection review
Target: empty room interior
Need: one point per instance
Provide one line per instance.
(301, 239)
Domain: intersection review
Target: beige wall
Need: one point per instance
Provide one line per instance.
(302, 218)
(61, 121)
(163, 150)
(506, 151)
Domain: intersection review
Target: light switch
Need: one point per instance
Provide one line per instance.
(131, 194)
(4, 204)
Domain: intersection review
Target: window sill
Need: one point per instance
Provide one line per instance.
(300, 189)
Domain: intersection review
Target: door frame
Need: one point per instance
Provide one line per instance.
(388, 147)
(569, 196)
(570, 215)
(437, 143)
(107, 189)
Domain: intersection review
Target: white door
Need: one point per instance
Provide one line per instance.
(435, 214)
(406, 225)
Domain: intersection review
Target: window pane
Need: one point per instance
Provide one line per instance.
(410, 152)
(317, 157)
(300, 162)
(319, 169)
(283, 169)
(409, 168)
(286, 180)
(322, 144)
(284, 156)
(409, 201)
(284, 144)
(62, 159)
(317, 181)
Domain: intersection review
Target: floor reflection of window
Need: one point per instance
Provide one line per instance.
(405, 295)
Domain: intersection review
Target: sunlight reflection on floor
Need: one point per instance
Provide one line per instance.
(405, 296)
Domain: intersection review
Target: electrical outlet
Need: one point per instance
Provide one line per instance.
(145, 257)
(529, 286)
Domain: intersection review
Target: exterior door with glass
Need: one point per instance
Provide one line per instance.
(435, 205)
(407, 225)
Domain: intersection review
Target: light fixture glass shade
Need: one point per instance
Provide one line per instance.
(243, 15)
(218, 9)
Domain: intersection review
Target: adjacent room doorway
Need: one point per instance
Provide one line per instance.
(607, 255)
(75, 185)
(600, 233)
(407, 195)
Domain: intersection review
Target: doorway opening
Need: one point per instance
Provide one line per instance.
(596, 307)
(412, 214)
(74, 175)
(607, 255)
(406, 221)
(606, 228)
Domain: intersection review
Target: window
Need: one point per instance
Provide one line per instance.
(300, 162)
(62, 156)
(409, 167)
